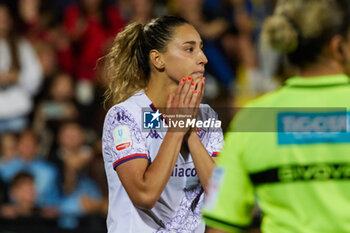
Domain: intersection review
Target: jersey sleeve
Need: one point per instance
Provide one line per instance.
(230, 199)
(122, 137)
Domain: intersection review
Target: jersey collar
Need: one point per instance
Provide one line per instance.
(321, 81)
(142, 99)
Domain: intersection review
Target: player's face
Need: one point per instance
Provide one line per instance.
(184, 56)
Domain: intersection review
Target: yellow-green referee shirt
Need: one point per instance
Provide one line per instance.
(290, 151)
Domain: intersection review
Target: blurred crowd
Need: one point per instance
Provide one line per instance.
(51, 91)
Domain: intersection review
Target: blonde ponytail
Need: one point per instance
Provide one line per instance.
(123, 73)
(301, 28)
(280, 33)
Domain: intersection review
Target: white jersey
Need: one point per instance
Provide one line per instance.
(124, 139)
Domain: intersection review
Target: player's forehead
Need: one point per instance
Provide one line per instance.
(185, 34)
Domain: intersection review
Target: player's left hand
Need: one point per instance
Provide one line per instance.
(199, 88)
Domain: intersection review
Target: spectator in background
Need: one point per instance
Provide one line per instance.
(3, 192)
(61, 5)
(36, 20)
(8, 152)
(45, 174)
(59, 105)
(241, 47)
(211, 27)
(35, 17)
(8, 148)
(20, 75)
(8, 159)
(22, 194)
(80, 195)
(141, 11)
(91, 26)
(40, 25)
(258, 63)
(71, 140)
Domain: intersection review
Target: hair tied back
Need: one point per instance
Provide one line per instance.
(281, 33)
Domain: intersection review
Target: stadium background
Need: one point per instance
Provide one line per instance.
(57, 140)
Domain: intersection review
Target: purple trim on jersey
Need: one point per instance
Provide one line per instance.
(129, 157)
(215, 154)
(153, 107)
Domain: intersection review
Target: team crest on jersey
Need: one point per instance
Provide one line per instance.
(200, 133)
(122, 138)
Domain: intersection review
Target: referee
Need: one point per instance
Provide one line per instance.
(290, 150)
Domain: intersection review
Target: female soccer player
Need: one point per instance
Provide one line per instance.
(156, 176)
(298, 167)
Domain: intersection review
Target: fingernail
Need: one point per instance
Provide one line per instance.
(192, 84)
(189, 78)
(203, 79)
(195, 91)
(183, 80)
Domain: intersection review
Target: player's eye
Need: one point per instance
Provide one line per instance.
(189, 49)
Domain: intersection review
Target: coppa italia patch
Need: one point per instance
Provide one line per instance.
(122, 139)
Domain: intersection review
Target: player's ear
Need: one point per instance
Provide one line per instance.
(157, 59)
(336, 48)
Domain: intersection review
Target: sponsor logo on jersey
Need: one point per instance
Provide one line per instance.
(184, 172)
(309, 128)
(122, 138)
(325, 171)
(153, 134)
(302, 173)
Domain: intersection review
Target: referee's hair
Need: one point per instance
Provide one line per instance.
(127, 64)
(301, 28)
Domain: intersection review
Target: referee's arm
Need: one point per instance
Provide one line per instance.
(230, 199)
